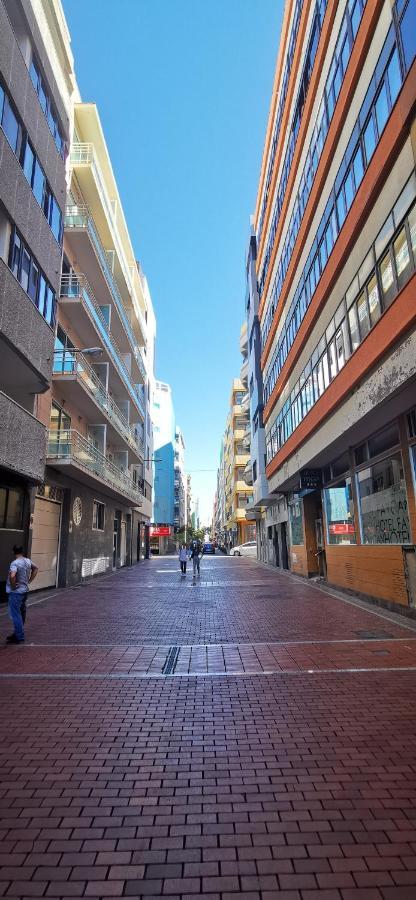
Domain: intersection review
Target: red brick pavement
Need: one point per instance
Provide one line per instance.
(291, 786)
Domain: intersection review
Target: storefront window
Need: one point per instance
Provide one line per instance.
(383, 502)
(339, 508)
(296, 524)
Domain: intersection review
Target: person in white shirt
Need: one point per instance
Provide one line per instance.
(21, 572)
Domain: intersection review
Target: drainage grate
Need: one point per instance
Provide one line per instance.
(374, 635)
(171, 660)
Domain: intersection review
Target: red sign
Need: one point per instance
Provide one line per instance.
(341, 529)
(160, 530)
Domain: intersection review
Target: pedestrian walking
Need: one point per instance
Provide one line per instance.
(183, 558)
(21, 572)
(195, 552)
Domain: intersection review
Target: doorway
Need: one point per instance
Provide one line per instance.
(115, 542)
(283, 538)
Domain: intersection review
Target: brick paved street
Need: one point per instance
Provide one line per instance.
(251, 735)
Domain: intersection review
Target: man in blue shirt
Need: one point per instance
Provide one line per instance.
(21, 572)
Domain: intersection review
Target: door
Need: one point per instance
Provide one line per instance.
(320, 546)
(123, 543)
(285, 555)
(276, 546)
(115, 543)
(45, 542)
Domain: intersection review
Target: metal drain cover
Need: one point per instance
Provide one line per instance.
(374, 635)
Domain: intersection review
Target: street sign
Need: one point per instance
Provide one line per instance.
(310, 479)
(160, 530)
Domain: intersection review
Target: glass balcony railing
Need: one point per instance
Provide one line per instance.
(71, 445)
(72, 362)
(76, 287)
(80, 217)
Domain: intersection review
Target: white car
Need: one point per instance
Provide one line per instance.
(247, 549)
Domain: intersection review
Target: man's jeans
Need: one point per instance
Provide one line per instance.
(195, 561)
(15, 613)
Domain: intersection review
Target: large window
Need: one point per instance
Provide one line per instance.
(28, 272)
(21, 146)
(46, 103)
(339, 509)
(296, 522)
(11, 508)
(383, 502)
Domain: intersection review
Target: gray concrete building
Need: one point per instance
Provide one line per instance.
(34, 136)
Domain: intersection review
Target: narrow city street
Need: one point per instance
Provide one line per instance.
(250, 734)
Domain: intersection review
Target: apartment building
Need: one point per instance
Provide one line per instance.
(237, 493)
(163, 468)
(336, 253)
(179, 511)
(36, 86)
(84, 522)
(188, 499)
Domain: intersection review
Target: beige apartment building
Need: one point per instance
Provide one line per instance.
(236, 456)
(336, 270)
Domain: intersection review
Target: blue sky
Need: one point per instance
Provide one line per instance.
(183, 90)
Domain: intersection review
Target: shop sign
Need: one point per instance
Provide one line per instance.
(160, 530)
(310, 479)
(341, 528)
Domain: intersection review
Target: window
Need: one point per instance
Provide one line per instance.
(408, 32)
(373, 300)
(27, 271)
(28, 162)
(339, 509)
(382, 109)
(296, 523)
(394, 76)
(11, 508)
(10, 125)
(387, 279)
(98, 515)
(369, 139)
(402, 257)
(47, 106)
(363, 315)
(383, 502)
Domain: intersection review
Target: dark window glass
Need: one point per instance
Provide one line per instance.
(33, 281)
(49, 312)
(24, 274)
(38, 182)
(408, 32)
(358, 167)
(28, 161)
(341, 208)
(56, 220)
(16, 248)
(34, 74)
(369, 139)
(1, 102)
(10, 125)
(394, 76)
(349, 189)
(382, 109)
(47, 202)
(14, 511)
(42, 95)
(51, 118)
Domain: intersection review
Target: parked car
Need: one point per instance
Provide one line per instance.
(208, 548)
(247, 549)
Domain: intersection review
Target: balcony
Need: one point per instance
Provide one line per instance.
(245, 405)
(248, 473)
(81, 385)
(89, 321)
(243, 339)
(22, 441)
(75, 455)
(82, 236)
(244, 373)
(85, 162)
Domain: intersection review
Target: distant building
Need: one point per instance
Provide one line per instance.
(180, 483)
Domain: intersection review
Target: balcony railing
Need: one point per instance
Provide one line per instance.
(71, 445)
(80, 217)
(72, 362)
(76, 287)
(83, 154)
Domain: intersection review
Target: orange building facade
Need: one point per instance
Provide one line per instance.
(336, 271)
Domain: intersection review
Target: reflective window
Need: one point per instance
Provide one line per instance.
(373, 300)
(339, 510)
(383, 502)
(408, 33)
(394, 76)
(369, 139)
(354, 330)
(28, 161)
(38, 182)
(33, 281)
(10, 125)
(387, 278)
(402, 257)
(382, 109)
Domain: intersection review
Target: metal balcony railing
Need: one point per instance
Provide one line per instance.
(76, 287)
(71, 445)
(80, 217)
(83, 154)
(72, 362)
